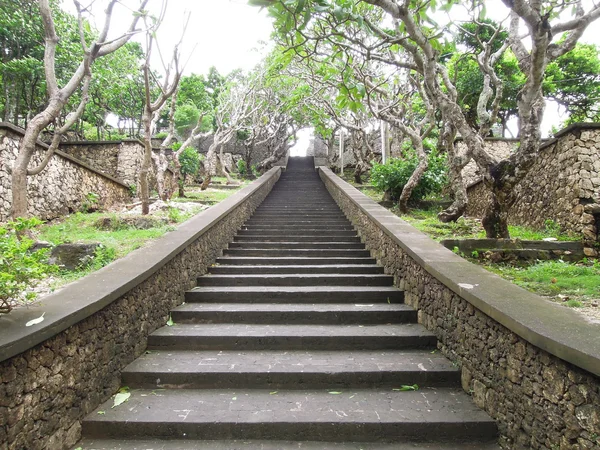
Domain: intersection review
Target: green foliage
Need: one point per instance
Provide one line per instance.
(573, 80)
(90, 202)
(186, 117)
(242, 169)
(174, 214)
(577, 282)
(190, 161)
(394, 175)
(19, 267)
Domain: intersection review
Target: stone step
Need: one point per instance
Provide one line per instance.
(300, 221)
(299, 238)
(292, 244)
(296, 294)
(296, 214)
(287, 260)
(189, 444)
(297, 269)
(317, 233)
(298, 369)
(290, 337)
(357, 415)
(295, 313)
(275, 252)
(296, 280)
(298, 229)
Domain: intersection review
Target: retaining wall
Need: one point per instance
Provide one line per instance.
(533, 365)
(54, 373)
(563, 186)
(61, 187)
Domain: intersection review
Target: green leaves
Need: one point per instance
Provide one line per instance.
(407, 387)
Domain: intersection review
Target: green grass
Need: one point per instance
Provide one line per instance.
(208, 196)
(574, 285)
(79, 227)
(468, 228)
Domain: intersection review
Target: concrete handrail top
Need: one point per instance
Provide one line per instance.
(84, 297)
(554, 328)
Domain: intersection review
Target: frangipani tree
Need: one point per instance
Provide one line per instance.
(58, 96)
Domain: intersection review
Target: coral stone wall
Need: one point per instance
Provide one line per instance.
(47, 390)
(60, 188)
(102, 156)
(499, 148)
(237, 150)
(563, 185)
(538, 400)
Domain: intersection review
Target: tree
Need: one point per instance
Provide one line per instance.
(154, 102)
(59, 96)
(419, 38)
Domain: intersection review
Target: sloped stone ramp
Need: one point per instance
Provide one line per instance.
(295, 340)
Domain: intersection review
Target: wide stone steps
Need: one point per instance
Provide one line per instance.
(352, 238)
(297, 269)
(295, 294)
(296, 245)
(295, 313)
(295, 339)
(297, 280)
(294, 252)
(355, 414)
(248, 444)
(287, 260)
(296, 369)
(291, 337)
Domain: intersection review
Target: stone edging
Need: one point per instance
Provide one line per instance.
(63, 155)
(549, 326)
(84, 297)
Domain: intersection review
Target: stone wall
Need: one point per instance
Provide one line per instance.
(61, 187)
(497, 147)
(539, 400)
(236, 149)
(55, 373)
(119, 159)
(563, 185)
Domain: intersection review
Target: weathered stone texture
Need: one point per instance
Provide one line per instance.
(47, 390)
(562, 185)
(498, 148)
(237, 150)
(60, 188)
(538, 400)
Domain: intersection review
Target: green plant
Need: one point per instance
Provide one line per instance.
(573, 303)
(242, 168)
(90, 202)
(475, 254)
(255, 171)
(394, 175)
(20, 268)
(133, 190)
(174, 214)
(552, 227)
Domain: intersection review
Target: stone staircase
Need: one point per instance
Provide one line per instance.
(296, 339)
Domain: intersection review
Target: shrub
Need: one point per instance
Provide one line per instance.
(241, 165)
(19, 267)
(190, 161)
(394, 175)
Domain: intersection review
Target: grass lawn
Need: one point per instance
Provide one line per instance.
(576, 285)
(121, 240)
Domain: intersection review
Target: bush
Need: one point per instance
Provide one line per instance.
(20, 268)
(242, 169)
(190, 161)
(394, 175)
